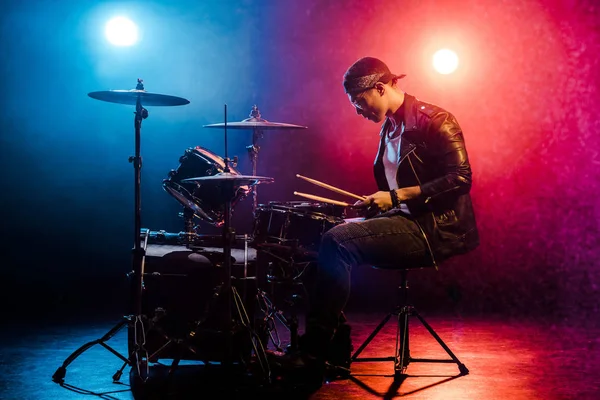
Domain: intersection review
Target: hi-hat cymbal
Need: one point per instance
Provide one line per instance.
(131, 96)
(255, 123)
(241, 180)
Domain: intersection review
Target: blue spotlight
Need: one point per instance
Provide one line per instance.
(121, 31)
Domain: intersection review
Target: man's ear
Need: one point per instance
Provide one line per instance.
(380, 87)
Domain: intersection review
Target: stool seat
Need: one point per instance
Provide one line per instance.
(396, 267)
(400, 267)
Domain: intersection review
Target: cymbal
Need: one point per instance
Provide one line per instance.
(241, 180)
(255, 123)
(131, 96)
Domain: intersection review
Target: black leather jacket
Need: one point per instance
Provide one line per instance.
(433, 156)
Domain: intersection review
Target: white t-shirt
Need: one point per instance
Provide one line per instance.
(391, 156)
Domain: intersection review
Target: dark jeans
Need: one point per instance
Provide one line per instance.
(392, 241)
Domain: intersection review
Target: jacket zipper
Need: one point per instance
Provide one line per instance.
(418, 224)
(442, 192)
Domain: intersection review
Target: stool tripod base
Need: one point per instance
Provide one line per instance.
(402, 356)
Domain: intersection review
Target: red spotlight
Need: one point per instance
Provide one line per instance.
(445, 61)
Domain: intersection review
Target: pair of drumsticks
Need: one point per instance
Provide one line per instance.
(332, 188)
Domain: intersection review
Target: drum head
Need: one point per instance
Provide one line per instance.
(206, 200)
(316, 209)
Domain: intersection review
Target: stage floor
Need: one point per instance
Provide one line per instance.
(507, 359)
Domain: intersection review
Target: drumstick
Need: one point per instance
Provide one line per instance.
(333, 188)
(322, 199)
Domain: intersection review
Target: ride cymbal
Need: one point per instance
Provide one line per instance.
(241, 180)
(255, 123)
(131, 96)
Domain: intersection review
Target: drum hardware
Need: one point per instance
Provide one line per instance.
(272, 313)
(209, 246)
(138, 97)
(291, 282)
(287, 235)
(230, 182)
(258, 125)
(188, 224)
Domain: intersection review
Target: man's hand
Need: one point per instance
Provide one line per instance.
(380, 201)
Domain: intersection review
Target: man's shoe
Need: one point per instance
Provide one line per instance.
(295, 360)
(298, 368)
(339, 354)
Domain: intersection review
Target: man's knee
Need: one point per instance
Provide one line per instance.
(342, 233)
(330, 247)
(329, 239)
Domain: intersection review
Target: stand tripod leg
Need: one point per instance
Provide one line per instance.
(294, 332)
(271, 314)
(461, 367)
(59, 375)
(372, 336)
(258, 347)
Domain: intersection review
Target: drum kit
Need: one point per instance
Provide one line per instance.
(208, 188)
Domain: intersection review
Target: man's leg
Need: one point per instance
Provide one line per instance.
(393, 240)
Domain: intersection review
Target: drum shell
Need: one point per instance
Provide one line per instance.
(292, 225)
(183, 292)
(207, 200)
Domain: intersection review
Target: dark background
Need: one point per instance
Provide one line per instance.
(526, 94)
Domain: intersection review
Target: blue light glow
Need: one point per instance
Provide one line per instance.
(121, 31)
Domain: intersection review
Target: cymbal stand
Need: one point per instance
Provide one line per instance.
(231, 292)
(253, 150)
(139, 354)
(138, 251)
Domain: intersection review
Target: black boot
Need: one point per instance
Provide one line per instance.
(339, 353)
(306, 364)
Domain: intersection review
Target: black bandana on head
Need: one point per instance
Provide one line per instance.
(365, 73)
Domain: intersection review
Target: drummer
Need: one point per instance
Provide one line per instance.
(420, 216)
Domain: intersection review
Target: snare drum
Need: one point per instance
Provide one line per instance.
(295, 224)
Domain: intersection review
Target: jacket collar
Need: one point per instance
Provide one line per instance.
(409, 117)
(410, 112)
(410, 124)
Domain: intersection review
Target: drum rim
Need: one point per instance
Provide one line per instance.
(214, 157)
(305, 213)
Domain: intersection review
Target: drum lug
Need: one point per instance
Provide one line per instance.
(234, 162)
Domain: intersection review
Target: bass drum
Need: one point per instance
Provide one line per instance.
(206, 200)
(185, 298)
